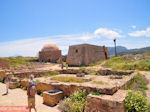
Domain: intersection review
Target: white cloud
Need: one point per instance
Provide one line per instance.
(31, 47)
(140, 33)
(133, 26)
(104, 32)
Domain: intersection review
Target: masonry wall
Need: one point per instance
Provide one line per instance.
(49, 56)
(85, 54)
(4, 64)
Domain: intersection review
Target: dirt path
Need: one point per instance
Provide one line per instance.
(18, 97)
(147, 75)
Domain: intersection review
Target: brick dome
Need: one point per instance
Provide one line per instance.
(50, 47)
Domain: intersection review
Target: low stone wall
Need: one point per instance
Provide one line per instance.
(44, 86)
(74, 71)
(2, 74)
(69, 88)
(4, 64)
(106, 103)
(110, 72)
(27, 73)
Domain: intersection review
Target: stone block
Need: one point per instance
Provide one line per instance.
(52, 97)
(106, 103)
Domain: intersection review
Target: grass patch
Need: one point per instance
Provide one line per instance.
(96, 63)
(75, 103)
(16, 61)
(95, 93)
(99, 82)
(118, 63)
(50, 74)
(83, 68)
(139, 83)
(68, 79)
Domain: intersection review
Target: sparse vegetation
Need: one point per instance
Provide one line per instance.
(68, 79)
(83, 68)
(50, 74)
(119, 63)
(136, 102)
(75, 103)
(96, 63)
(16, 61)
(139, 83)
(95, 93)
(99, 82)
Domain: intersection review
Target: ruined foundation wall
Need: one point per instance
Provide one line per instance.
(4, 64)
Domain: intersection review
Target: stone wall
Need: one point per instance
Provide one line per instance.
(113, 72)
(106, 103)
(27, 73)
(85, 54)
(49, 56)
(4, 64)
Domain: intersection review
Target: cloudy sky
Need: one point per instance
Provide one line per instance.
(26, 25)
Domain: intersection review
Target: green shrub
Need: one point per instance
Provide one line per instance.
(2, 80)
(139, 83)
(83, 68)
(136, 102)
(24, 88)
(37, 80)
(95, 93)
(75, 103)
(39, 92)
(19, 85)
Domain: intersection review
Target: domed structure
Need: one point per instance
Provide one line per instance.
(50, 47)
(49, 53)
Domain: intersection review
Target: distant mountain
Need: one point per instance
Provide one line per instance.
(123, 50)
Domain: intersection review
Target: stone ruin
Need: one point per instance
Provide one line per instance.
(50, 53)
(85, 54)
(4, 64)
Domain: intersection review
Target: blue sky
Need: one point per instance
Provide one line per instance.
(26, 25)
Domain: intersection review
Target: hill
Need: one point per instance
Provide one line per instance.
(123, 50)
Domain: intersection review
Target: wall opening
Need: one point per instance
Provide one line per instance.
(76, 51)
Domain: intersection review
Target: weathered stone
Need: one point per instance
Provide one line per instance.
(24, 83)
(13, 85)
(44, 86)
(4, 64)
(85, 54)
(113, 72)
(52, 97)
(49, 53)
(106, 103)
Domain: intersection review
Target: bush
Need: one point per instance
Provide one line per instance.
(136, 102)
(139, 83)
(75, 103)
(2, 80)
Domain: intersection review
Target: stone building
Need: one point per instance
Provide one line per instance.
(84, 54)
(50, 53)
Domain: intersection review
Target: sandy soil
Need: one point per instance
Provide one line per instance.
(18, 97)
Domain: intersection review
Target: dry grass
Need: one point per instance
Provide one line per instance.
(68, 79)
(99, 82)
